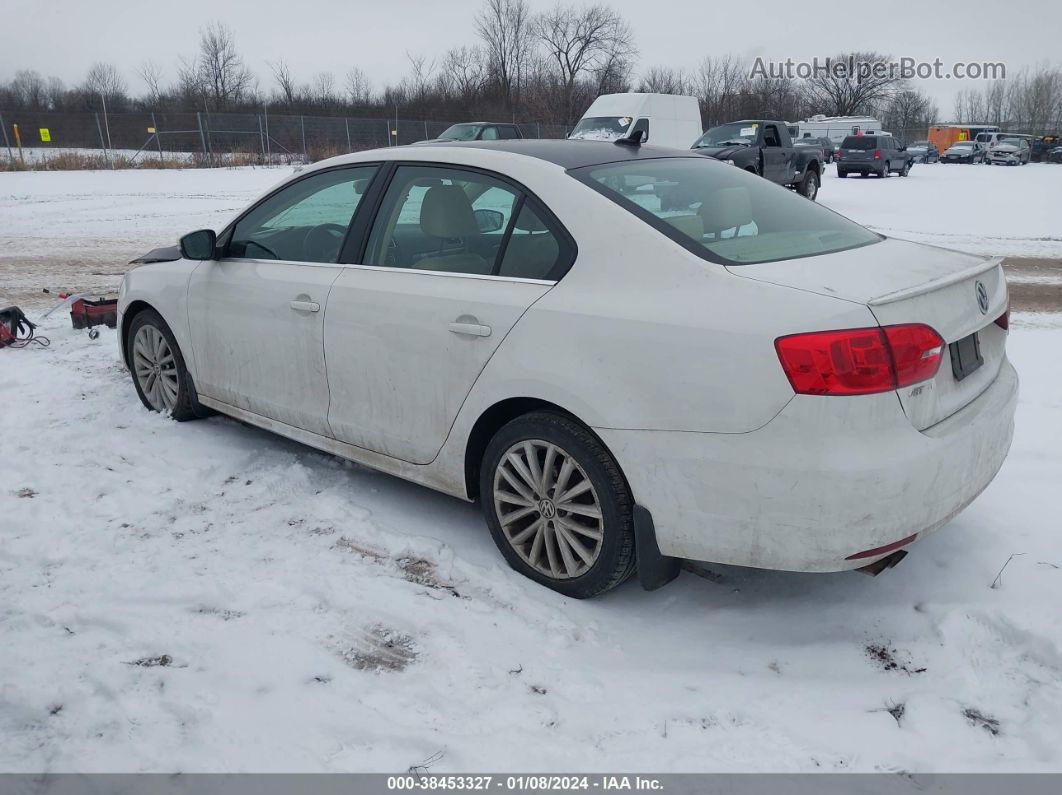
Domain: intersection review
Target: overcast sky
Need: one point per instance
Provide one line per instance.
(63, 37)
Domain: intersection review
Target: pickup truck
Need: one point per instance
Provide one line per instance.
(765, 148)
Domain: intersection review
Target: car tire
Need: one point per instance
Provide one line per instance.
(842, 174)
(157, 367)
(580, 551)
(809, 185)
(884, 173)
(906, 170)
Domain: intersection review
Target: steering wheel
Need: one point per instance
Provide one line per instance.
(322, 242)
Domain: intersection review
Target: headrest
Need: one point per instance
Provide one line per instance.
(726, 208)
(446, 212)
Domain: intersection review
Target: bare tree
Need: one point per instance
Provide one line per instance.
(284, 80)
(222, 75)
(851, 92)
(359, 89)
(30, 90)
(504, 26)
(665, 80)
(104, 80)
(152, 76)
(463, 74)
(582, 43)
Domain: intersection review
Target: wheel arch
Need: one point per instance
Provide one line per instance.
(492, 419)
(131, 311)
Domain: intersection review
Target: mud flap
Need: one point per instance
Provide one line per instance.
(654, 570)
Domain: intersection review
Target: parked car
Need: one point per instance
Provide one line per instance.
(765, 148)
(1011, 152)
(964, 152)
(825, 145)
(478, 131)
(873, 154)
(745, 377)
(1054, 155)
(1042, 146)
(924, 152)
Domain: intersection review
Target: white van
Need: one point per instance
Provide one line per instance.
(664, 119)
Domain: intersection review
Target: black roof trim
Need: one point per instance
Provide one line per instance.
(574, 154)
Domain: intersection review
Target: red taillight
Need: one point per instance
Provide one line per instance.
(877, 154)
(860, 361)
(1003, 321)
(837, 154)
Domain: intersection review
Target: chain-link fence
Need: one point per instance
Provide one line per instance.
(213, 138)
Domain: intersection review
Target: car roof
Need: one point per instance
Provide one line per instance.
(562, 152)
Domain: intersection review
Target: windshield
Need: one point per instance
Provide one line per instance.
(722, 213)
(1012, 141)
(963, 145)
(920, 145)
(601, 128)
(739, 132)
(460, 132)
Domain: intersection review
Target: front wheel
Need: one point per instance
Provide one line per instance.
(557, 505)
(159, 374)
(906, 170)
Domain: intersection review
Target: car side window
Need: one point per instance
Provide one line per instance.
(438, 218)
(304, 222)
(533, 251)
(508, 132)
(489, 134)
(441, 219)
(770, 136)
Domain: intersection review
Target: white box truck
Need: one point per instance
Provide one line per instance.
(663, 119)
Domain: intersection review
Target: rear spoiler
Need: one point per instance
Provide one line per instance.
(936, 284)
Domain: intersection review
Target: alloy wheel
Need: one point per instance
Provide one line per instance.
(548, 509)
(155, 368)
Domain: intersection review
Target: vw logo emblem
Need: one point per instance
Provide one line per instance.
(547, 509)
(982, 297)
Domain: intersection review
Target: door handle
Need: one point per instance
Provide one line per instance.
(305, 306)
(471, 329)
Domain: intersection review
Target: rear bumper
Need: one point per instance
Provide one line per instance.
(818, 484)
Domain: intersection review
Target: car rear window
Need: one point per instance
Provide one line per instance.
(864, 142)
(722, 213)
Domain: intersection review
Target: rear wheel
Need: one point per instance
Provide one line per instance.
(159, 374)
(809, 186)
(557, 505)
(906, 170)
(842, 174)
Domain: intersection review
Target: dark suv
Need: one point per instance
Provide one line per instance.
(873, 154)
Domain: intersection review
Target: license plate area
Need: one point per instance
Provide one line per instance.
(965, 356)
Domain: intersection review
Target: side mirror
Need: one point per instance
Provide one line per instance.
(199, 245)
(489, 220)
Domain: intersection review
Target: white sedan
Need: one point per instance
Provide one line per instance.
(629, 355)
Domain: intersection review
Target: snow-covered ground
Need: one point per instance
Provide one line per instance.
(978, 208)
(206, 596)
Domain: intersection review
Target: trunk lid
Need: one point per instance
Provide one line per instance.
(902, 282)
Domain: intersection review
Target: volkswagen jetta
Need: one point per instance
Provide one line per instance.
(629, 355)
